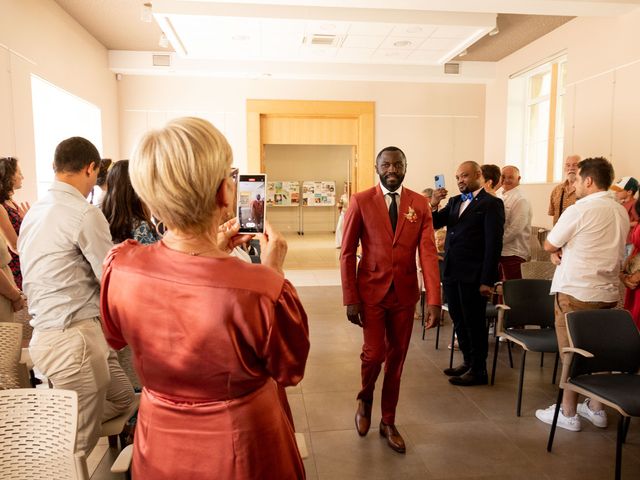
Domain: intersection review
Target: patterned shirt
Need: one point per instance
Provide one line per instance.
(144, 234)
(561, 199)
(14, 264)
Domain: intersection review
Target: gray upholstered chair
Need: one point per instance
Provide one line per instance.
(603, 363)
(527, 319)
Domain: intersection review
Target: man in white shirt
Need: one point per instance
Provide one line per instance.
(517, 224)
(63, 242)
(587, 245)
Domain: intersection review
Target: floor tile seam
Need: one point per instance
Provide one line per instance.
(310, 448)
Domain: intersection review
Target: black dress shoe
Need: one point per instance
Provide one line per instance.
(469, 379)
(457, 371)
(363, 417)
(394, 439)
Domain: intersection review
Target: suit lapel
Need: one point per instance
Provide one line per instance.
(405, 202)
(383, 210)
(473, 204)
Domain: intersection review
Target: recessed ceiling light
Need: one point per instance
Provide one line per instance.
(414, 29)
(401, 43)
(240, 38)
(495, 31)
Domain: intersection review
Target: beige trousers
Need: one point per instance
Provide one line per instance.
(78, 358)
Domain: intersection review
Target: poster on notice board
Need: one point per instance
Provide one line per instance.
(318, 193)
(283, 194)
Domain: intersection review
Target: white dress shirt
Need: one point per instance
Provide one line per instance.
(63, 242)
(387, 197)
(517, 223)
(592, 235)
(464, 204)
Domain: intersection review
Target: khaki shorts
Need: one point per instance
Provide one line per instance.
(566, 303)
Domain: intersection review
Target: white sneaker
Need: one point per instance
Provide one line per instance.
(599, 418)
(568, 423)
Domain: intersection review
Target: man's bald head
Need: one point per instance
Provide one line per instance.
(469, 176)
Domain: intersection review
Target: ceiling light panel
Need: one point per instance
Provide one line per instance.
(404, 43)
(422, 31)
(362, 41)
(355, 55)
(390, 55)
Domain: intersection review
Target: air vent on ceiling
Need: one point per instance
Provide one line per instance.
(161, 60)
(321, 40)
(452, 69)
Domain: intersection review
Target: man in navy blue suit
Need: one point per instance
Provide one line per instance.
(475, 226)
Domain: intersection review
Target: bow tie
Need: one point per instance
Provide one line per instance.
(466, 196)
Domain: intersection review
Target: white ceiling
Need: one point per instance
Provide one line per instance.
(399, 40)
(302, 40)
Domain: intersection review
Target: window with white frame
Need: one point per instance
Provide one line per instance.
(57, 115)
(535, 121)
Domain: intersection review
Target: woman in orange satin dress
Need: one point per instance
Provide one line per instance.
(214, 339)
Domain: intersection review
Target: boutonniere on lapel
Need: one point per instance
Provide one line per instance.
(411, 215)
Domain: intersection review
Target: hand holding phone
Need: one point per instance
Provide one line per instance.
(252, 205)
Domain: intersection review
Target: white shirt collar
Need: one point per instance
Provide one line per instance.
(385, 191)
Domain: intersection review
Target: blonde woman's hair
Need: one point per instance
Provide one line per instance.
(177, 172)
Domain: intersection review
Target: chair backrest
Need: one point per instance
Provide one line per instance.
(537, 269)
(38, 434)
(10, 350)
(610, 335)
(529, 302)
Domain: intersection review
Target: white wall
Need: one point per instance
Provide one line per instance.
(38, 37)
(603, 101)
(437, 125)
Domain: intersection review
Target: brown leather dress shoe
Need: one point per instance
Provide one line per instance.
(394, 439)
(363, 417)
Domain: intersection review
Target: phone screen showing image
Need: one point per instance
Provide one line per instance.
(439, 180)
(251, 203)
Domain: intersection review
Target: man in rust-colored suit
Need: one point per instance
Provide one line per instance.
(390, 223)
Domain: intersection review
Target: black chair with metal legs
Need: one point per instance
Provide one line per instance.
(603, 362)
(526, 319)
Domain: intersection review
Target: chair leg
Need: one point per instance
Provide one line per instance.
(555, 369)
(520, 382)
(541, 359)
(438, 329)
(496, 348)
(619, 441)
(552, 432)
(510, 356)
(627, 422)
(453, 346)
(113, 441)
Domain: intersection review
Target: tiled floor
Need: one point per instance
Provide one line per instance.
(451, 432)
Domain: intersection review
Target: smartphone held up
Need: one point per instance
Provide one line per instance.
(439, 179)
(251, 204)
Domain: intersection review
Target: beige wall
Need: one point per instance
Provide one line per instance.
(38, 37)
(437, 125)
(603, 103)
(302, 163)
